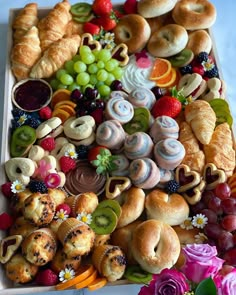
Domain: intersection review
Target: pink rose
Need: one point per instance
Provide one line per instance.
(201, 262)
(226, 281)
(169, 281)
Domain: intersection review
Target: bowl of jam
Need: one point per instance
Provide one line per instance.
(31, 95)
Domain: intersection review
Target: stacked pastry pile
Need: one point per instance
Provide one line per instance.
(117, 190)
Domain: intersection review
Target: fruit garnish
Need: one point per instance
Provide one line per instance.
(6, 189)
(161, 69)
(182, 59)
(169, 80)
(48, 144)
(46, 277)
(222, 111)
(102, 7)
(6, 221)
(104, 221)
(67, 164)
(45, 113)
(112, 204)
(139, 122)
(130, 6)
(61, 113)
(60, 95)
(87, 281)
(91, 28)
(136, 274)
(81, 9)
(97, 284)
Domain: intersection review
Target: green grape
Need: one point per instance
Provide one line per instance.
(82, 78)
(88, 58)
(66, 79)
(61, 86)
(95, 53)
(109, 79)
(98, 84)
(102, 75)
(60, 72)
(92, 69)
(118, 72)
(84, 49)
(73, 86)
(93, 79)
(104, 55)
(69, 66)
(76, 58)
(100, 64)
(111, 64)
(104, 90)
(54, 84)
(80, 66)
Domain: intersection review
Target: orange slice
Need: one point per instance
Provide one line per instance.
(60, 95)
(161, 69)
(168, 80)
(82, 274)
(65, 102)
(87, 281)
(63, 115)
(67, 109)
(97, 284)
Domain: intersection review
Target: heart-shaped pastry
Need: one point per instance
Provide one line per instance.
(115, 185)
(87, 39)
(120, 53)
(9, 246)
(193, 195)
(212, 175)
(186, 178)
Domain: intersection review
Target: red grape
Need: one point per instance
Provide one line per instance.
(198, 207)
(213, 230)
(230, 257)
(206, 196)
(229, 222)
(223, 190)
(215, 205)
(229, 206)
(225, 241)
(211, 215)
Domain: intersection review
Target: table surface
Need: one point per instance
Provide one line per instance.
(225, 39)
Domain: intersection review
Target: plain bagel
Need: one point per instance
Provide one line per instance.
(153, 8)
(167, 41)
(194, 14)
(132, 30)
(199, 41)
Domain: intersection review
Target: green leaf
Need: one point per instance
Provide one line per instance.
(206, 287)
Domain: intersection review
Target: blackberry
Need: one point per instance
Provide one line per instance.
(212, 73)
(17, 113)
(186, 69)
(202, 56)
(172, 186)
(33, 122)
(82, 152)
(37, 186)
(14, 124)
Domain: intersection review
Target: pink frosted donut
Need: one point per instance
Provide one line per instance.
(142, 97)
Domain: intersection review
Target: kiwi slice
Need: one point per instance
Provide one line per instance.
(182, 59)
(112, 204)
(16, 150)
(222, 111)
(81, 9)
(24, 136)
(136, 274)
(104, 221)
(139, 122)
(84, 18)
(219, 103)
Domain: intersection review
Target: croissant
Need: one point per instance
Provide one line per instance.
(73, 28)
(25, 20)
(53, 26)
(202, 119)
(55, 56)
(220, 149)
(194, 156)
(25, 54)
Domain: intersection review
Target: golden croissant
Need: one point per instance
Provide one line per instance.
(194, 156)
(53, 26)
(202, 119)
(25, 54)
(220, 149)
(25, 20)
(55, 56)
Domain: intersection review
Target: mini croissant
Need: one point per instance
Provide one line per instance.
(25, 54)
(55, 56)
(53, 26)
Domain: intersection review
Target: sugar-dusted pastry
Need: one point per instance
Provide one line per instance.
(202, 119)
(220, 150)
(194, 156)
(25, 20)
(25, 53)
(53, 26)
(55, 56)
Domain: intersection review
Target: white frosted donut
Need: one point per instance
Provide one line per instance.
(192, 85)
(48, 126)
(194, 14)
(167, 41)
(36, 153)
(142, 97)
(199, 41)
(79, 128)
(62, 146)
(132, 30)
(155, 8)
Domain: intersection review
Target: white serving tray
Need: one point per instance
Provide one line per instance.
(6, 286)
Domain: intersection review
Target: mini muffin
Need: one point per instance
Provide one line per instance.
(102, 240)
(39, 209)
(22, 227)
(17, 202)
(54, 225)
(58, 195)
(40, 246)
(110, 261)
(19, 270)
(61, 261)
(76, 237)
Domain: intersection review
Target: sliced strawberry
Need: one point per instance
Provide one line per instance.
(166, 106)
(107, 22)
(102, 7)
(91, 28)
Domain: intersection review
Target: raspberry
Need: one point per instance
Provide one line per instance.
(48, 144)
(199, 70)
(37, 186)
(45, 113)
(6, 189)
(67, 164)
(172, 186)
(66, 208)
(6, 221)
(46, 277)
(130, 6)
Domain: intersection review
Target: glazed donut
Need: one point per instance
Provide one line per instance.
(167, 41)
(132, 30)
(132, 204)
(171, 209)
(154, 8)
(155, 245)
(199, 41)
(194, 14)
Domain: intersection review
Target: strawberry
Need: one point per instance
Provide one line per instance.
(6, 221)
(48, 143)
(102, 7)
(130, 6)
(46, 277)
(107, 22)
(67, 164)
(6, 189)
(45, 113)
(91, 28)
(166, 106)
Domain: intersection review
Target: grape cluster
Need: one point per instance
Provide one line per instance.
(94, 68)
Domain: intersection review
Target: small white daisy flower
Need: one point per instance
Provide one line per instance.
(199, 220)
(208, 65)
(187, 224)
(200, 238)
(17, 187)
(71, 153)
(84, 217)
(61, 215)
(22, 119)
(66, 274)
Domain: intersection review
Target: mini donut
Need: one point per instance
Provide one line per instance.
(47, 127)
(132, 204)
(149, 9)
(62, 146)
(36, 153)
(199, 41)
(132, 30)
(215, 89)
(155, 245)
(169, 208)
(194, 14)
